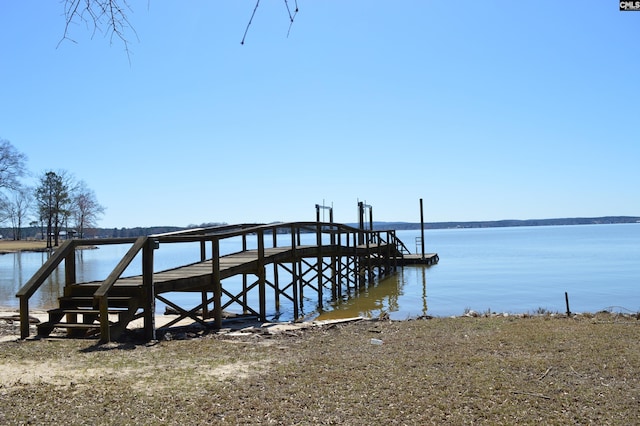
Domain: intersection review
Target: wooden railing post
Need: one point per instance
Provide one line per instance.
(334, 258)
(149, 290)
(319, 262)
(24, 317)
(245, 284)
(294, 275)
(216, 284)
(261, 277)
(70, 279)
(338, 266)
(276, 284)
(203, 250)
(395, 251)
(70, 267)
(105, 329)
(203, 294)
(368, 245)
(378, 237)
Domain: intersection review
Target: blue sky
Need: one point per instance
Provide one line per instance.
(486, 110)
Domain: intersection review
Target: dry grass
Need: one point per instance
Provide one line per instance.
(498, 370)
(9, 246)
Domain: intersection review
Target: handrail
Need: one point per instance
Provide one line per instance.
(43, 273)
(208, 230)
(67, 248)
(399, 242)
(108, 283)
(235, 231)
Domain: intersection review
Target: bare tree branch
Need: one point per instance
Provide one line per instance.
(253, 14)
(250, 20)
(108, 14)
(291, 17)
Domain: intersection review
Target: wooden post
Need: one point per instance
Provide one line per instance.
(276, 285)
(204, 298)
(388, 255)
(334, 262)
(105, 329)
(24, 317)
(369, 263)
(379, 251)
(244, 279)
(422, 228)
(70, 267)
(147, 285)
(203, 251)
(566, 299)
(361, 222)
(70, 279)
(216, 284)
(395, 251)
(358, 262)
(294, 276)
(261, 277)
(319, 261)
(338, 268)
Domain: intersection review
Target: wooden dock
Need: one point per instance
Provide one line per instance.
(417, 259)
(342, 259)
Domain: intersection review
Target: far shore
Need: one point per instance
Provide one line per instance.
(12, 246)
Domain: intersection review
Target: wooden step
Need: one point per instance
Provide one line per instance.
(88, 315)
(70, 302)
(73, 329)
(80, 311)
(86, 290)
(72, 325)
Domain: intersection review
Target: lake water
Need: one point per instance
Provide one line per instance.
(514, 270)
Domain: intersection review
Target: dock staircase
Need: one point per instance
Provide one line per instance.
(79, 311)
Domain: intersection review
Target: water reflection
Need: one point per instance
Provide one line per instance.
(395, 296)
(17, 268)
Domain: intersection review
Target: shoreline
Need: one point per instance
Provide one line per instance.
(13, 246)
(242, 326)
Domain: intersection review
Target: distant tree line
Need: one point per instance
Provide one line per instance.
(398, 226)
(58, 205)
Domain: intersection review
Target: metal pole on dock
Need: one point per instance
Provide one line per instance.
(422, 228)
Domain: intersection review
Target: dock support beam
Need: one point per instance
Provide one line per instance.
(262, 277)
(422, 228)
(216, 284)
(319, 262)
(147, 285)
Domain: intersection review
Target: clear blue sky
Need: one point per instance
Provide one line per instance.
(486, 110)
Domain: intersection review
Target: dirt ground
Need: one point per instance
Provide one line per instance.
(496, 369)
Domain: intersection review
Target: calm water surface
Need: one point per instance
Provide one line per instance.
(512, 270)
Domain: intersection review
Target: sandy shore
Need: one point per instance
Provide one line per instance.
(10, 324)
